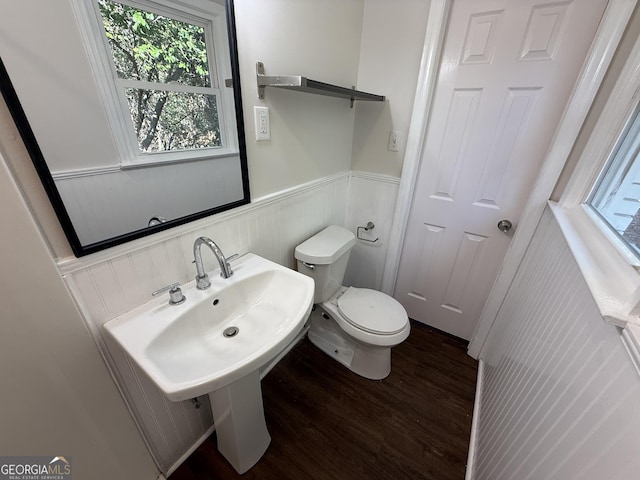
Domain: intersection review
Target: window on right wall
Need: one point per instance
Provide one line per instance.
(615, 197)
(598, 208)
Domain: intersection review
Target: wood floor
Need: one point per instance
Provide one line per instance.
(328, 423)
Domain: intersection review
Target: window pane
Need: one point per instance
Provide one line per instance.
(617, 195)
(149, 47)
(169, 121)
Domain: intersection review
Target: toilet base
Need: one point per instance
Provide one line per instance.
(368, 361)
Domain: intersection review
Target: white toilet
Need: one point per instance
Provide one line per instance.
(356, 326)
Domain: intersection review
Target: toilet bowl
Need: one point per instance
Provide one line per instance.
(355, 326)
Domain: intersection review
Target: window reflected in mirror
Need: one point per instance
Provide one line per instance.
(148, 131)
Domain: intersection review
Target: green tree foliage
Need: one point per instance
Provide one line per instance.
(162, 51)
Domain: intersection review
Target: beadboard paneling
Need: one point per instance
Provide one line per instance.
(560, 393)
(90, 201)
(371, 198)
(118, 284)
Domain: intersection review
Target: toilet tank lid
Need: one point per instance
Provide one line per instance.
(326, 246)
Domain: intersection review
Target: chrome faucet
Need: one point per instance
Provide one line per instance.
(202, 279)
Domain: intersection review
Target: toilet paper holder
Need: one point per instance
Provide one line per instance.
(366, 228)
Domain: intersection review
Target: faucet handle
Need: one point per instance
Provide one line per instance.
(175, 293)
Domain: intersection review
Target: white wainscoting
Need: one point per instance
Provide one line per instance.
(111, 202)
(372, 198)
(110, 283)
(560, 393)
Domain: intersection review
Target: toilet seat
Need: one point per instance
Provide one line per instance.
(372, 311)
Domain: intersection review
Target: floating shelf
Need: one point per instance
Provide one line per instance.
(304, 84)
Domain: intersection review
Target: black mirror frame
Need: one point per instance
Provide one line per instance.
(31, 144)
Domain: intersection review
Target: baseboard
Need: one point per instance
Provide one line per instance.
(470, 474)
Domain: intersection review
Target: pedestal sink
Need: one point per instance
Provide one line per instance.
(215, 343)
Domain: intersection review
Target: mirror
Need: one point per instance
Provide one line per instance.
(102, 196)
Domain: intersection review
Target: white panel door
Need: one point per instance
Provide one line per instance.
(507, 70)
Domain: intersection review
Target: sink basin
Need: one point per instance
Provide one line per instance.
(184, 349)
(215, 343)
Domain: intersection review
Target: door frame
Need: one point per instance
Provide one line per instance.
(438, 15)
(605, 43)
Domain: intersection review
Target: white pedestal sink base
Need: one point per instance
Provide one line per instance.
(238, 415)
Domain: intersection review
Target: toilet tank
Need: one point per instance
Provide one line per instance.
(324, 258)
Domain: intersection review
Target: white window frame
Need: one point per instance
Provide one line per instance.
(619, 156)
(607, 265)
(205, 13)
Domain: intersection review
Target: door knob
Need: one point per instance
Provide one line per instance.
(504, 226)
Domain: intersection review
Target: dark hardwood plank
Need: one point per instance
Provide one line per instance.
(328, 423)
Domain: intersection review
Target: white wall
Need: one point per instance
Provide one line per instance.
(41, 47)
(311, 135)
(392, 40)
(560, 393)
(58, 397)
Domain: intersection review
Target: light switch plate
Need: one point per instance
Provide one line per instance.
(394, 141)
(263, 126)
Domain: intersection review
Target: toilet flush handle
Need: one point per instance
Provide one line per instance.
(309, 265)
